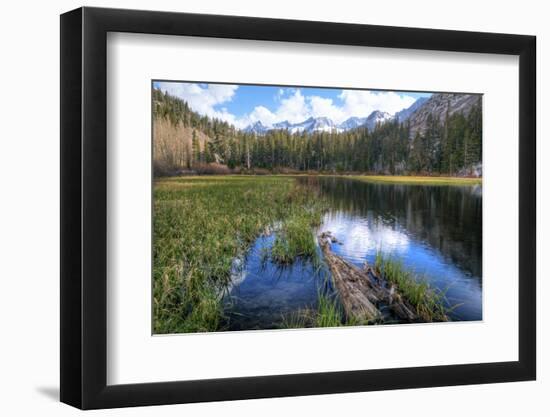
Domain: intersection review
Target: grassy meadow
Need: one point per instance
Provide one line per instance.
(201, 224)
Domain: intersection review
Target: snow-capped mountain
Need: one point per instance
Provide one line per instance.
(324, 124)
(258, 128)
(318, 124)
(352, 123)
(282, 125)
(375, 118)
(369, 122)
(313, 124)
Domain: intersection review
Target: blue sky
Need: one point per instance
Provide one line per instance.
(242, 105)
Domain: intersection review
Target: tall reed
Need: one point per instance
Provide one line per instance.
(429, 302)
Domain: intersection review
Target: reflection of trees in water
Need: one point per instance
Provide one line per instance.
(448, 218)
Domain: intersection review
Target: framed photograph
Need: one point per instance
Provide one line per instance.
(256, 207)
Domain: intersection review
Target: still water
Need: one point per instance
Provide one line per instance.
(434, 230)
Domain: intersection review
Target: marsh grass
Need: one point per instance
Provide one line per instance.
(296, 239)
(201, 224)
(327, 314)
(428, 302)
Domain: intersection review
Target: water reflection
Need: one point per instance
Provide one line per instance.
(263, 293)
(360, 236)
(434, 230)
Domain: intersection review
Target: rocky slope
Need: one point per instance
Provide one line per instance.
(438, 105)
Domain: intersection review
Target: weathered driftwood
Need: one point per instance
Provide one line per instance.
(362, 293)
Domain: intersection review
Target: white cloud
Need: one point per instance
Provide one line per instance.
(324, 107)
(280, 93)
(260, 113)
(291, 104)
(361, 103)
(295, 107)
(203, 99)
(362, 239)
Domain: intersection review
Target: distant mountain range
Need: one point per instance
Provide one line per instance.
(438, 105)
(313, 124)
(369, 122)
(322, 124)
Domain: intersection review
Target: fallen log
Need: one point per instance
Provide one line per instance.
(362, 292)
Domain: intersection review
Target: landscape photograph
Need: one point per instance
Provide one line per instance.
(293, 207)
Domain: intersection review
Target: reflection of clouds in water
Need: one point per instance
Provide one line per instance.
(434, 231)
(238, 273)
(363, 237)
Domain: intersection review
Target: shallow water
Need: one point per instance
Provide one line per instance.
(264, 293)
(433, 230)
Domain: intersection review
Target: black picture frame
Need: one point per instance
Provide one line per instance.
(84, 207)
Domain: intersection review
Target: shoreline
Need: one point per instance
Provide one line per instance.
(387, 179)
(418, 179)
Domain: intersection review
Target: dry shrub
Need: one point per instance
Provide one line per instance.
(261, 171)
(286, 171)
(212, 169)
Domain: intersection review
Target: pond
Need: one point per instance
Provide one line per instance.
(434, 230)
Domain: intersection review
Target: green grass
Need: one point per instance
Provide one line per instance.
(296, 238)
(417, 180)
(328, 314)
(428, 302)
(202, 223)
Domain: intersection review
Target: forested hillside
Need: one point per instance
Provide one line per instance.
(443, 141)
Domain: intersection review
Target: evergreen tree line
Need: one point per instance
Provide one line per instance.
(445, 147)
